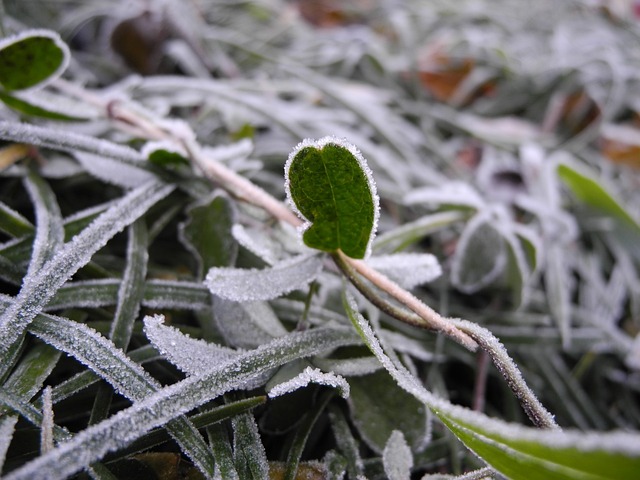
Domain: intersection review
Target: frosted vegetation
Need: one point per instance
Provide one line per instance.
(450, 288)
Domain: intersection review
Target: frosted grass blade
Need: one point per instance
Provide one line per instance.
(49, 233)
(246, 285)
(121, 429)
(248, 452)
(7, 427)
(131, 288)
(311, 375)
(126, 377)
(42, 285)
(59, 139)
(157, 294)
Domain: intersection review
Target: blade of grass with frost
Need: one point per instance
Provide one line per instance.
(126, 377)
(12, 223)
(221, 447)
(121, 429)
(113, 171)
(192, 356)
(29, 375)
(46, 428)
(247, 285)
(397, 457)
(207, 419)
(249, 454)
(311, 375)
(49, 233)
(157, 294)
(58, 139)
(131, 289)
(42, 285)
(7, 428)
(302, 434)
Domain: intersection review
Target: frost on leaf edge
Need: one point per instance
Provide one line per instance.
(40, 32)
(320, 144)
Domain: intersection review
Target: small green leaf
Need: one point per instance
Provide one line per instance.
(31, 58)
(590, 192)
(330, 186)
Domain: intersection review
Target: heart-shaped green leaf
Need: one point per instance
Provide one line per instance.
(31, 58)
(330, 186)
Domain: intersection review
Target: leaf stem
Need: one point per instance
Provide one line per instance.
(425, 316)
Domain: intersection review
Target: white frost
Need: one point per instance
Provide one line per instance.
(244, 285)
(407, 269)
(190, 355)
(452, 193)
(7, 426)
(46, 431)
(397, 458)
(311, 375)
(113, 171)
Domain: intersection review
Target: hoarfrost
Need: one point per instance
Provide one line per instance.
(452, 193)
(256, 242)
(246, 325)
(46, 429)
(311, 375)
(160, 407)
(112, 171)
(190, 355)
(7, 426)
(38, 288)
(244, 285)
(397, 458)
(407, 269)
(248, 449)
(351, 367)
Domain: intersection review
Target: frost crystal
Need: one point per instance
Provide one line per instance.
(311, 375)
(244, 285)
(397, 458)
(190, 355)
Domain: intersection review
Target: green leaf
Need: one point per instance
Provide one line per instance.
(330, 186)
(31, 58)
(601, 202)
(529, 454)
(207, 233)
(373, 401)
